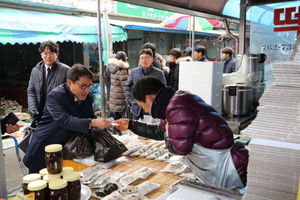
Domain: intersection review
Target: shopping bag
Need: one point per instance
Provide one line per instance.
(80, 146)
(24, 143)
(126, 113)
(107, 147)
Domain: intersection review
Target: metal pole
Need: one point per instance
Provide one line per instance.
(193, 38)
(3, 188)
(243, 10)
(101, 79)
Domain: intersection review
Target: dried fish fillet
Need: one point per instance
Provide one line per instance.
(147, 187)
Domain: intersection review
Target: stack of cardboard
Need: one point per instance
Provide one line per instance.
(274, 162)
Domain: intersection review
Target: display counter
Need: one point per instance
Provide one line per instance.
(132, 164)
(191, 188)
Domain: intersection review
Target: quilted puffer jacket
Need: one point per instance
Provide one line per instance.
(190, 121)
(119, 72)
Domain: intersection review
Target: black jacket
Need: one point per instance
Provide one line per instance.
(35, 91)
(62, 119)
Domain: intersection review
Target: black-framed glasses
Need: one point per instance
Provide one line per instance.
(145, 58)
(48, 53)
(84, 86)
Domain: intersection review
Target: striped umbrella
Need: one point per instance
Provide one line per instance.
(185, 22)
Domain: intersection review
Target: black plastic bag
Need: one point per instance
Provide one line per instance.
(80, 146)
(106, 146)
(24, 143)
(126, 113)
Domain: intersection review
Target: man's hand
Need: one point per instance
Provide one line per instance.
(34, 114)
(123, 124)
(100, 123)
(12, 128)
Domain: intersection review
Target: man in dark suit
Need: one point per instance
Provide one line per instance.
(68, 110)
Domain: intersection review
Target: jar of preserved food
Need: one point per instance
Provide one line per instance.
(58, 189)
(50, 177)
(74, 185)
(43, 172)
(54, 158)
(29, 178)
(39, 188)
(66, 170)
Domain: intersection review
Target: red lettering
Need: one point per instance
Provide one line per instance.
(288, 16)
(277, 20)
(288, 28)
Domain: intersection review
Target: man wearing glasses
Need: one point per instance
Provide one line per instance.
(45, 76)
(68, 110)
(145, 68)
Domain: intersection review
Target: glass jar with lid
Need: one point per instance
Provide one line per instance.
(58, 189)
(66, 170)
(50, 177)
(43, 172)
(29, 178)
(40, 189)
(74, 185)
(54, 158)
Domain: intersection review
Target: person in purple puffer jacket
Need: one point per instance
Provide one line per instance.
(191, 128)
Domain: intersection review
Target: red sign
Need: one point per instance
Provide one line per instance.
(291, 17)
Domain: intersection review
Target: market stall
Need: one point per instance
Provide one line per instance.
(163, 173)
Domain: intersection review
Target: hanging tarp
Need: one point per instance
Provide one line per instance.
(20, 26)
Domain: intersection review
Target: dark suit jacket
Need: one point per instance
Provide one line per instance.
(62, 118)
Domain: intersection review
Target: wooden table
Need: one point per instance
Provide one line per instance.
(165, 179)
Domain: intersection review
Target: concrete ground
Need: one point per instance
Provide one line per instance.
(13, 171)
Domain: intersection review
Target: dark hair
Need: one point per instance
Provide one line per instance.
(53, 47)
(77, 71)
(149, 45)
(145, 86)
(189, 51)
(200, 48)
(121, 55)
(176, 52)
(146, 51)
(227, 50)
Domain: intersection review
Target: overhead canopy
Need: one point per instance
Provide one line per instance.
(157, 28)
(18, 26)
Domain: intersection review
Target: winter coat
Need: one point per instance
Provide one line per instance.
(119, 72)
(203, 59)
(156, 63)
(229, 65)
(164, 68)
(191, 121)
(135, 74)
(62, 119)
(173, 75)
(35, 91)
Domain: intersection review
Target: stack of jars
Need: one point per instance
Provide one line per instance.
(54, 182)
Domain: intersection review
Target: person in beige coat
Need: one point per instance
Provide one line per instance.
(119, 72)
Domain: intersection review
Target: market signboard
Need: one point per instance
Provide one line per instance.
(286, 17)
(141, 11)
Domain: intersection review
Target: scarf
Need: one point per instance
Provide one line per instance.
(161, 101)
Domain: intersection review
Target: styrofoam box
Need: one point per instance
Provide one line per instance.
(196, 67)
(203, 79)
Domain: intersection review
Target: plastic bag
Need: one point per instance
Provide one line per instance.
(24, 143)
(126, 113)
(79, 146)
(107, 147)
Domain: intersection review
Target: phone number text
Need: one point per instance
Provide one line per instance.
(277, 47)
